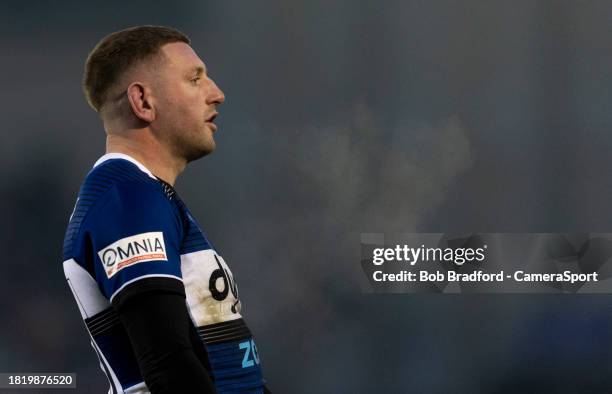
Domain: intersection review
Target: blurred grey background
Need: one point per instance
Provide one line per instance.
(342, 117)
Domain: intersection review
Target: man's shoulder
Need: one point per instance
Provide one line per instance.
(118, 172)
(117, 185)
(117, 195)
(120, 182)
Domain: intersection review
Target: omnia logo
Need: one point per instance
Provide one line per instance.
(133, 250)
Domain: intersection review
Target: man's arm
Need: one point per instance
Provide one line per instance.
(171, 356)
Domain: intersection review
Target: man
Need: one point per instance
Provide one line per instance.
(159, 302)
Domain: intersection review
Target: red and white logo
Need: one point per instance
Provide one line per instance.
(133, 250)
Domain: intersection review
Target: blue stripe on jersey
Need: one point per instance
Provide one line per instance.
(234, 368)
(233, 356)
(194, 239)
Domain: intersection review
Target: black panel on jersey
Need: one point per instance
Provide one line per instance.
(102, 322)
(158, 284)
(232, 330)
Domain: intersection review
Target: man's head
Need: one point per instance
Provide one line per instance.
(148, 77)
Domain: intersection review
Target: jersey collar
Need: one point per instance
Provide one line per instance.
(123, 156)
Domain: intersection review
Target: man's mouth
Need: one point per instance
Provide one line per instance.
(210, 120)
(212, 117)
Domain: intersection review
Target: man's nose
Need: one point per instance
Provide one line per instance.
(215, 95)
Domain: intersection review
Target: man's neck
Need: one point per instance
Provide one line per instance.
(153, 155)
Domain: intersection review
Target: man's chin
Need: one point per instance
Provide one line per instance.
(201, 151)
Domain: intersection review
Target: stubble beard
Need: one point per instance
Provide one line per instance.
(193, 145)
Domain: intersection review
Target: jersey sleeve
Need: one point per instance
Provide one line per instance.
(134, 233)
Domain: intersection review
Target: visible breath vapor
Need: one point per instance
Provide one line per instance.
(353, 177)
(375, 180)
(350, 176)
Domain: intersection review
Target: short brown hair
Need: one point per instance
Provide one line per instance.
(119, 51)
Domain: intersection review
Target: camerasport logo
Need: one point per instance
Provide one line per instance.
(133, 250)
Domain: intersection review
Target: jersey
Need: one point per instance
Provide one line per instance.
(129, 233)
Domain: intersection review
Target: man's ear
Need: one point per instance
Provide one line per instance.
(140, 99)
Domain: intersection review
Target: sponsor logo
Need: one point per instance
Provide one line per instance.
(133, 250)
(225, 277)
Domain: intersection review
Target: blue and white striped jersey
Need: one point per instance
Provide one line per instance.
(128, 226)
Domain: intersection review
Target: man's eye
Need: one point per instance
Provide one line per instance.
(195, 80)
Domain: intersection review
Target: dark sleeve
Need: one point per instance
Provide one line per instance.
(171, 356)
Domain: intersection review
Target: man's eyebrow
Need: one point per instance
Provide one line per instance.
(199, 70)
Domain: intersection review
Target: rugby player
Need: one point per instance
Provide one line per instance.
(159, 302)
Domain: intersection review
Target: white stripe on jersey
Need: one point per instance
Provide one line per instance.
(84, 289)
